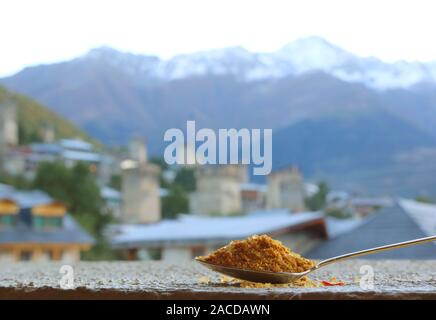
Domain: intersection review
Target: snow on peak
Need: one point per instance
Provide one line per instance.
(133, 64)
(300, 56)
(313, 53)
(232, 60)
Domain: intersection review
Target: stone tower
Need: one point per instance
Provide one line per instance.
(138, 150)
(286, 190)
(218, 190)
(8, 128)
(140, 189)
(8, 124)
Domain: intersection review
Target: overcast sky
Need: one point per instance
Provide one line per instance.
(43, 31)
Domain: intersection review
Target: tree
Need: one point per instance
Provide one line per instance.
(115, 182)
(160, 162)
(185, 178)
(77, 188)
(54, 179)
(17, 181)
(27, 135)
(319, 199)
(84, 191)
(175, 202)
(424, 199)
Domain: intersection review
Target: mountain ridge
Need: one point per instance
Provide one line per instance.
(293, 59)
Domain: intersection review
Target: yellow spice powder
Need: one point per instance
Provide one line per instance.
(260, 253)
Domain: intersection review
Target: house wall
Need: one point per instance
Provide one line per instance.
(6, 256)
(252, 200)
(70, 255)
(41, 252)
(176, 254)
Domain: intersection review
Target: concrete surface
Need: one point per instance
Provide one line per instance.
(400, 279)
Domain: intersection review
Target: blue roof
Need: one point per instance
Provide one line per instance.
(70, 149)
(5, 189)
(206, 230)
(81, 156)
(110, 193)
(336, 226)
(29, 199)
(51, 148)
(75, 144)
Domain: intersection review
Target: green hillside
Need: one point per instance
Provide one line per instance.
(33, 116)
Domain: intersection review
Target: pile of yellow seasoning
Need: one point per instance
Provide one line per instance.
(259, 253)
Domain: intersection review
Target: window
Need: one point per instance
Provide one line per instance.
(48, 216)
(7, 220)
(26, 255)
(41, 222)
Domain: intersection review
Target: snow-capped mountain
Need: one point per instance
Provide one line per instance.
(298, 57)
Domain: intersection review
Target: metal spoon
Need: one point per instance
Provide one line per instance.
(286, 277)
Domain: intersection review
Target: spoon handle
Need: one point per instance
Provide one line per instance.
(375, 250)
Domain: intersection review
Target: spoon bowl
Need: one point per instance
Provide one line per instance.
(255, 276)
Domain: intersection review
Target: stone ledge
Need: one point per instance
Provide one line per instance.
(399, 279)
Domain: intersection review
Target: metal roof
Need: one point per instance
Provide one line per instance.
(81, 156)
(336, 226)
(51, 148)
(75, 144)
(110, 193)
(190, 229)
(389, 225)
(380, 202)
(5, 189)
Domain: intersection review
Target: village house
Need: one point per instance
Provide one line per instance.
(24, 160)
(34, 227)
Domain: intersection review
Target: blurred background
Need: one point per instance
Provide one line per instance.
(87, 90)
